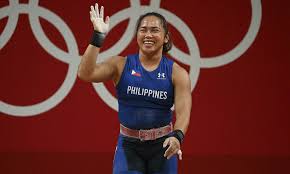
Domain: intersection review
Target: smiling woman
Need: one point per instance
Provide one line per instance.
(157, 26)
(147, 84)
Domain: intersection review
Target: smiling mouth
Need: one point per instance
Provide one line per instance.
(149, 43)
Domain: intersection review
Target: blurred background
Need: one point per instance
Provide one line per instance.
(237, 54)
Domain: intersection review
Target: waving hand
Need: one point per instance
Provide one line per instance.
(97, 18)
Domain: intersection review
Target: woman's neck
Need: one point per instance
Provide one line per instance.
(150, 59)
(150, 62)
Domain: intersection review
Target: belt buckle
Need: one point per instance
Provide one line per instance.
(145, 135)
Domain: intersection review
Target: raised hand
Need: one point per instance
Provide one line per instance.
(97, 18)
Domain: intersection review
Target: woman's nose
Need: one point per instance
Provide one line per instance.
(148, 34)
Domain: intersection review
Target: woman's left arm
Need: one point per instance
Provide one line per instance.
(182, 97)
(182, 102)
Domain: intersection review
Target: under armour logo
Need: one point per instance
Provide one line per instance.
(161, 76)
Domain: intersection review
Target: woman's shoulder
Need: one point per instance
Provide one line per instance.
(119, 61)
(179, 74)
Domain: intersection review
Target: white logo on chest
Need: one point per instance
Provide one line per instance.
(161, 76)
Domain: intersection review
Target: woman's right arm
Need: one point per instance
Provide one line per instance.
(89, 70)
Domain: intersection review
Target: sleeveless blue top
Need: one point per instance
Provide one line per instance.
(145, 97)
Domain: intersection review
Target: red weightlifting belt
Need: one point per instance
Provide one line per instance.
(149, 134)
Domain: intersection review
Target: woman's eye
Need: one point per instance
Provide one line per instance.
(155, 30)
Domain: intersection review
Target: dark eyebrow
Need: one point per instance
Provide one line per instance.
(150, 27)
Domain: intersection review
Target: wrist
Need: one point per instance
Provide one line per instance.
(97, 39)
(178, 134)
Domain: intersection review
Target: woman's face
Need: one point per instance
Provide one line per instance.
(151, 35)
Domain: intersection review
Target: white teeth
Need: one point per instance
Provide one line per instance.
(148, 42)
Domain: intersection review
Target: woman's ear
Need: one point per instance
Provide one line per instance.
(166, 38)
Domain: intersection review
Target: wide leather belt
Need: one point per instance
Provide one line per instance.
(144, 135)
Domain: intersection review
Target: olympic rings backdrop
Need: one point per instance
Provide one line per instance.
(236, 53)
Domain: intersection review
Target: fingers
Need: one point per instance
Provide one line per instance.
(179, 153)
(97, 10)
(166, 142)
(107, 20)
(92, 12)
(102, 12)
(173, 148)
(95, 13)
(97, 18)
(171, 152)
(92, 9)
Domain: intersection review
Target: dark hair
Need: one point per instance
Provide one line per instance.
(166, 46)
